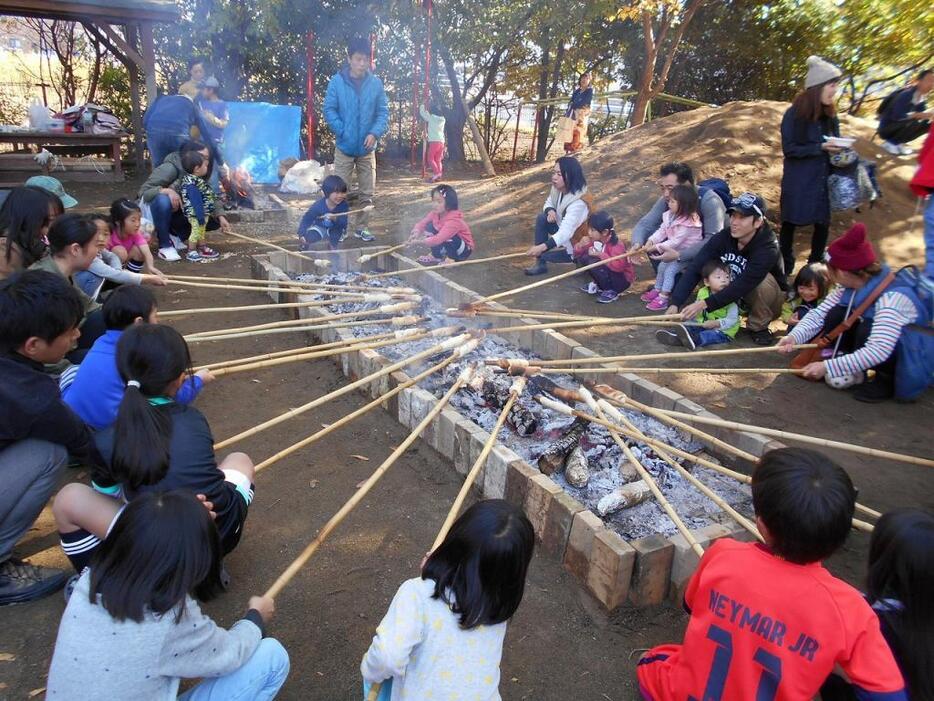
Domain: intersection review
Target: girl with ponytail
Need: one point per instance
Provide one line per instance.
(155, 445)
(607, 282)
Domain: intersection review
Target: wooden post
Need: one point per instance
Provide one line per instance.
(515, 138)
(149, 58)
(132, 37)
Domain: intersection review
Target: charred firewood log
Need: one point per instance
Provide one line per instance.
(495, 391)
(554, 456)
(577, 469)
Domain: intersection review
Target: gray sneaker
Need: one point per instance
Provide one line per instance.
(21, 582)
(364, 235)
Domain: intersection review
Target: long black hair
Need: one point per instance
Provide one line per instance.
(901, 568)
(450, 196)
(572, 173)
(71, 228)
(163, 548)
(25, 212)
(479, 570)
(153, 356)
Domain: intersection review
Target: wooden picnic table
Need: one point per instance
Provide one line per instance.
(100, 143)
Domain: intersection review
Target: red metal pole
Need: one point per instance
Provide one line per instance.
(425, 101)
(310, 92)
(515, 139)
(415, 67)
(534, 133)
(372, 51)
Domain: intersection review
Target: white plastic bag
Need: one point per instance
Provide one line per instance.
(303, 178)
(38, 115)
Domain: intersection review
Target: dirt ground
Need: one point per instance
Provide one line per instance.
(560, 644)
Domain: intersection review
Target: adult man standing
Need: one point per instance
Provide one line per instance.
(905, 116)
(712, 212)
(196, 72)
(356, 110)
(749, 248)
(168, 123)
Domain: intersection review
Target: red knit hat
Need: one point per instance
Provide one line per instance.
(852, 251)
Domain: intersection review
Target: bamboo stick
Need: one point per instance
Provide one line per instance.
(448, 266)
(295, 283)
(709, 371)
(802, 438)
(366, 257)
(518, 386)
(619, 417)
(653, 356)
(617, 398)
(257, 307)
(383, 309)
(294, 254)
(397, 321)
(402, 336)
(462, 340)
(335, 215)
(555, 278)
(343, 421)
(373, 296)
(606, 321)
(364, 489)
(653, 487)
(293, 351)
(612, 395)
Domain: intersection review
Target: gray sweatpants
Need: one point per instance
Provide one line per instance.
(29, 471)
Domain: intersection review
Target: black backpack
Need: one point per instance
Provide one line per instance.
(720, 187)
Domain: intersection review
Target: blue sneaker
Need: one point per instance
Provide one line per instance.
(364, 235)
(607, 296)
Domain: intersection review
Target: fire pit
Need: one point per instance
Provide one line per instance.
(245, 201)
(563, 473)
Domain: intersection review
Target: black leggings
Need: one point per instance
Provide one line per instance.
(787, 240)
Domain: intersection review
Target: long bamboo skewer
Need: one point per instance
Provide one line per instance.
(606, 321)
(617, 398)
(654, 356)
(343, 421)
(659, 445)
(383, 309)
(534, 369)
(295, 283)
(448, 266)
(364, 489)
(294, 351)
(405, 336)
(555, 278)
(802, 438)
(653, 487)
(294, 254)
(257, 307)
(250, 288)
(613, 396)
(366, 257)
(335, 215)
(518, 386)
(446, 345)
(397, 321)
(619, 417)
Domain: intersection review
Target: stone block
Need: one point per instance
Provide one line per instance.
(612, 561)
(583, 352)
(652, 570)
(443, 437)
(584, 529)
(752, 442)
(494, 472)
(404, 407)
(464, 434)
(518, 474)
(558, 522)
(685, 560)
(664, 398)
(644, 390)
(542, 491)
(421, 403)
(689, 407)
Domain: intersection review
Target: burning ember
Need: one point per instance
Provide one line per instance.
(238, 189)
(581, 458)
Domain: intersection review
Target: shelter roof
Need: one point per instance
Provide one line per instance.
(106, 11)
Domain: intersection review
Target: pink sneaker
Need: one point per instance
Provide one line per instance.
(649, 296)
(659, 304)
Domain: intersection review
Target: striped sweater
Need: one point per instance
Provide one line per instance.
(893, 311)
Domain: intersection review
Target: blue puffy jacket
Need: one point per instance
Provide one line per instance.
(352, 114)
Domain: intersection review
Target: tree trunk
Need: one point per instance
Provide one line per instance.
(456, 117)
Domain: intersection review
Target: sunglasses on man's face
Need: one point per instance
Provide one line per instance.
(746, 201)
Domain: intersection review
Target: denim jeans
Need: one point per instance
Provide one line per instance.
(707, 337)
(161, 144)
(167, 221)
(544, 229)
(259, 679)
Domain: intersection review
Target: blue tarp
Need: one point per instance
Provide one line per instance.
(260, 135)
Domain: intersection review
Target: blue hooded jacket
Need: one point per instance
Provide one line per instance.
(353, 113)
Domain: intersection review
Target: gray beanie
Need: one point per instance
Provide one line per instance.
(820, 72)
